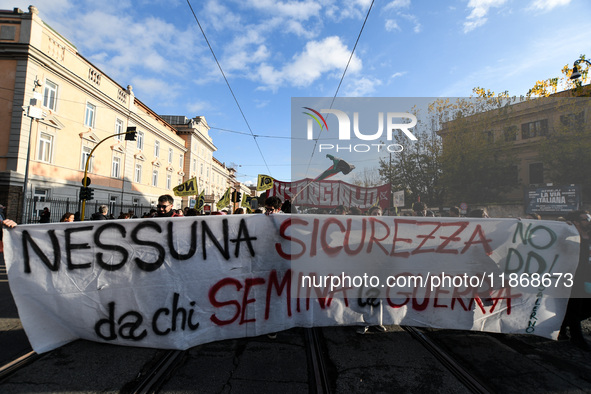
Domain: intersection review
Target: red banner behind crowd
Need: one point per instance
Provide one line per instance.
(329, 194)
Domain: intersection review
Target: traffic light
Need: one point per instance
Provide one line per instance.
(238, 196)
(83, 193)
(131, 133)
(234, 196)
(86, 193)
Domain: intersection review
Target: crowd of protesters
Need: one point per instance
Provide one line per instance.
(578, 309)
(165, 208)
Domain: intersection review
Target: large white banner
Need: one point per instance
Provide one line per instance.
(179, 282)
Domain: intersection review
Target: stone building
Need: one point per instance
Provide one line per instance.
(525, 127)
(56, 107)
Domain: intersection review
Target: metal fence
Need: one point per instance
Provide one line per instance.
(59, 206)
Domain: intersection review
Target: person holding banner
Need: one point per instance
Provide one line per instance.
(67, 217)
(375, 210)
(579, 309)
(164, 207)
(101, 214)
(341, 210)
(45, 216)
(273, 205)
(419, 209)
(8, 223)
(286, 207)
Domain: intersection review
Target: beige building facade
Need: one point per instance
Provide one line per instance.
(74, 107)
(524, 127)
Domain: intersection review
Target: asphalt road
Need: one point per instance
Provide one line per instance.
(13, 340)
(378, 362)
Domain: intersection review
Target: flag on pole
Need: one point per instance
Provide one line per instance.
(188, 188)
(338, 165)
(265, 182)
(246, 203)
(375, 204)
(200, 201)
(225, 200)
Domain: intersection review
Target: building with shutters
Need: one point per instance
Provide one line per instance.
(74, 108)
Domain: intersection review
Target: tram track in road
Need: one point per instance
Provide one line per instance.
(298, 356)
(162, 368)
(312, 360)
(471, 382)
(19, 363)
(317, 363)
(294, 361)
(511, 362)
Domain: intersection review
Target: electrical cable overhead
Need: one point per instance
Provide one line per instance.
(229, 87)
(256, 135)
(341, 81)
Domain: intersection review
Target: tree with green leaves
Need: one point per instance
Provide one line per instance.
(367, 177)
(566, 150)
(547, 87)
(417, 168)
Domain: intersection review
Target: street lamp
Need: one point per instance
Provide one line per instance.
(35, 113)
(576, 74)
(87, 194)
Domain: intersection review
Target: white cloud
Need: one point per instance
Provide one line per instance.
(239, 60)
(397, 74)
(220, 17)
(153, 87)
(293, 10)
(414, 20)
(397, 4)
(362, 87)
(547, 5)
(122, 45)
(352, 9)
(391, 25)
(269, 76)
(197, 108)
(318, 58)
(480, 9)
(262, 103)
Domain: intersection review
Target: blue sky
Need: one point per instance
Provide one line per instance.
(271, 51)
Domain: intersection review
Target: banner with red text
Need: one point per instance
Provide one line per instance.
(179, 282)
(330, 194)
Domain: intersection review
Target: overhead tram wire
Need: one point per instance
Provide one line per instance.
(229, 87)
(255, 135)
(341, 81)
